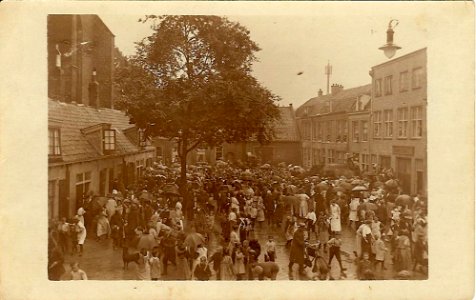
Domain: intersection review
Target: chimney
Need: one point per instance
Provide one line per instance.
(336, 88)
(93, 90)
(320, 93)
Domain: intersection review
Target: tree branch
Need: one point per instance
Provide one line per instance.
(194, 145)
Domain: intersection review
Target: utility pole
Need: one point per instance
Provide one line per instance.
(328, 72)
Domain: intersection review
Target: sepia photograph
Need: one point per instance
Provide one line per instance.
(190, 155)
(207, 150)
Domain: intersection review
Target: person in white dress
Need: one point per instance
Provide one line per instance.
(353, 216)
(81, 232)
(335, 217)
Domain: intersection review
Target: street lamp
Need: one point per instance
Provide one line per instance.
(389, 49)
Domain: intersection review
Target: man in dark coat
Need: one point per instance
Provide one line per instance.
(296, 255)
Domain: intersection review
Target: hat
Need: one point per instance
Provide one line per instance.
(301, 224)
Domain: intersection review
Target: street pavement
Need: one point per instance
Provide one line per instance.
(101, 262)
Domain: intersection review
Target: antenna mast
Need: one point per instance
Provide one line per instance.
(328, 72)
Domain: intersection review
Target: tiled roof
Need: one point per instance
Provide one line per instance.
(286, 128)
(72, 118)
(341, 102)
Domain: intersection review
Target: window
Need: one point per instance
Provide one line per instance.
(378, 87)
(330, 155)
(219, 152)
(365, 131)
(344, 131)
(315, 157)
(329, 131)
(200, 155)
(417, 78)
(355, 131)
(402, 122)
(388, 122)
(109, 139)
(365, 162)
(417, 122)
(377, 123)
(404, 81)
(54, 147)
(319, 131)
(314, 130)
(159, 151)
(83, 183)
(388, 85)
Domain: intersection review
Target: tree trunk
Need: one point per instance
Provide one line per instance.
(183, 171)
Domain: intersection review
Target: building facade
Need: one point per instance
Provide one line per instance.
(399, 101)
(79, 45)
(92, 147)
(324, 122)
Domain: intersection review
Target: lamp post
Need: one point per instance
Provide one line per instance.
(389, 49)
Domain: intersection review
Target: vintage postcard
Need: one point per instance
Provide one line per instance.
(202, 150)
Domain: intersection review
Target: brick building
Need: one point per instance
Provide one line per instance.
(91, 146)
(324, 124)
(78, 45)
(399, 100)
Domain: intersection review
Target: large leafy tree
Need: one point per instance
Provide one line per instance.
(191, 81)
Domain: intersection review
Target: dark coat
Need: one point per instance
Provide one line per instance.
(297, 247)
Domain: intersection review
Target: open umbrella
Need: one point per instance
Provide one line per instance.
(403, 200)
(346, 185)
(392, 183)
(170, 190)
(323, 186)
(266, 166)
(193, 240)
(340, 189)
(359, 188)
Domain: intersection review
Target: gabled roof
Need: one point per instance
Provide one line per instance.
(71, 119)
(286, 128)
(341, 102)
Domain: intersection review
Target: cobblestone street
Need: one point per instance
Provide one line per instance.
(101, 262)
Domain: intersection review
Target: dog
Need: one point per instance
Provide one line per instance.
(127, 258)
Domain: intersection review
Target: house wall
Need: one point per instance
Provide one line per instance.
(66, 204)
(405, 155)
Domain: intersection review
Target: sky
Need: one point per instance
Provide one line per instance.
(291, 44)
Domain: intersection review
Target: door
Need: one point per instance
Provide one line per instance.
(404, 174)
(102, 182)
(63, 201)
(111, 179)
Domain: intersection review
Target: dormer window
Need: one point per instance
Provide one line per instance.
(109, 140)
(54, 146)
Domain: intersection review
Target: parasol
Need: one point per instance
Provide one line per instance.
(266, 166)
(322, 186)
(170, 190)
(193, 240)
(346, 185)
(403, 200)
(359, 188)
(392, 183)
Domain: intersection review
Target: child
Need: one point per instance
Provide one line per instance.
(270, 254)
(334, 250)
(143, 268)
(311, 223)
(155, 264)
(379, 250)
(226, 266)
(323, 228)
(77, 273)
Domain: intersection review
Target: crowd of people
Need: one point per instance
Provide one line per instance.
(210, 230)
